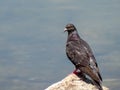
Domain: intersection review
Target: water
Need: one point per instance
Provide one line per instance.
(32, 42)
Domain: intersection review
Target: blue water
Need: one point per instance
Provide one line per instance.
(32, 42)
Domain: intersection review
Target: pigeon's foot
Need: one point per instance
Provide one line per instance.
(76, 72)
(79, 74)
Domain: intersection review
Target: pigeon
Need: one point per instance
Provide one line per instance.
(80, 54)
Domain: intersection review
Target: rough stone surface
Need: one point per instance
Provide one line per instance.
(73, 82)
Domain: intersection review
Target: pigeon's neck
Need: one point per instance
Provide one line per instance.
(73, 36)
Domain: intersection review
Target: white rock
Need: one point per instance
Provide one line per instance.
(73, 82)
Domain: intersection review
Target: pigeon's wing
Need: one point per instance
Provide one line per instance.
(92, 59)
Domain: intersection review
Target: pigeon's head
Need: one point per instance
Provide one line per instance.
(69, 28)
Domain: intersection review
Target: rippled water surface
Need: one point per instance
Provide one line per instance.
(32, 42)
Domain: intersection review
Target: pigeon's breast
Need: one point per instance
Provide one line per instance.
(73, 37)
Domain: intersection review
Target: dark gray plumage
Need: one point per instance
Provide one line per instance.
(81, 55)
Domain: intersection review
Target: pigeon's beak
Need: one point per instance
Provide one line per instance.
(65, 29)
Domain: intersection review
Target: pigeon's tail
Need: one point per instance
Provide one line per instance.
(94, 76)
(98, 84)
